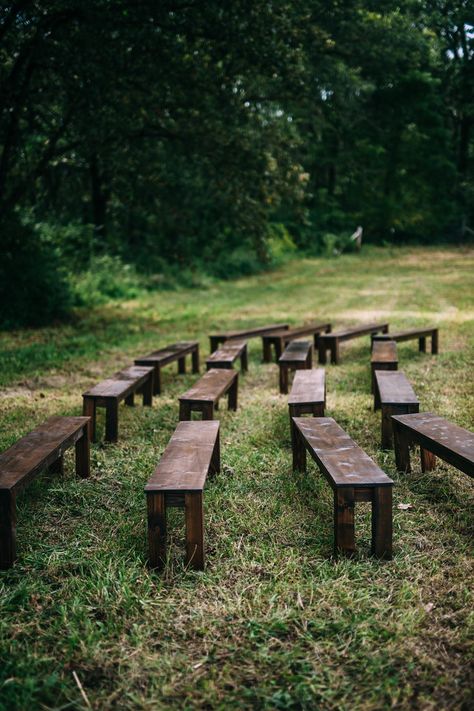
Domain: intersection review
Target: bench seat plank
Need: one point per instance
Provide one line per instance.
(309, 387)
(352, 475)
(227, 354)
(204, 395)
(394, 394)
(384, 357)
(169, 354)
(410, 334)
(332, 340)
(437, 436)
(279, 339)
(193, 453)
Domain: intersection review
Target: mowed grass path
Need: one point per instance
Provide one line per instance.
(274, 622)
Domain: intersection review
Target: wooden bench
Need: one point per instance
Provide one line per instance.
(437, 438)
(395, 395)
(43, 447)
(410, 334)
(280, 339)
(352, 475)
(227, 354)
(192, 453)
(169, 354)
(298, 355)
(384, 357)
(331, 341)
(204, 395)
(109, 393)
(218, 338)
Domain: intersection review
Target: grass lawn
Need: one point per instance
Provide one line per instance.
(274, 622)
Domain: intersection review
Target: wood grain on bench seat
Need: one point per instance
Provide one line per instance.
(384, 357)
(331, 341)
(43, 447)
(395, 396)
(227, 354)
(110, 392)
(280, 339)
(204, 395)
(192, 453)
(352, 475)
(298, 355)
(164, 356)
(251, 332)
(437, 437)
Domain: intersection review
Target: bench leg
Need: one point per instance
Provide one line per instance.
(89, 410)
(157, 381)
(299, 449)
(57, 467)
(279, 347)
(214, 344)
(130, 400)
(156, 515)
(266, 351)
(309, 359)
(7, 529)
(184, 410)
(422, 344)
(233, 395)
(244, 360)
(182, 365)
(208, 411)
(385, 329)
(111, 421)
(322, 351)
(344, 531)
(148, 391)
(283, 379)
(335, 351)
(194, 515)
(382, 522)
(216, 457)
(434, 342)
(428, 460)
(195, 359)
(387, 427)
(83, 454)
(318, 410)
(402, 448)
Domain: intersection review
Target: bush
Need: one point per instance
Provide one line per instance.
(107, 277)
(33, 286)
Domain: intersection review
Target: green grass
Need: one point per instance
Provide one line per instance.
(274, 622)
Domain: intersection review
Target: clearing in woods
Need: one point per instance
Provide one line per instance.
(274, 622)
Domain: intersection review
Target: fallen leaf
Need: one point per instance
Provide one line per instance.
(405, 507)
(429, 606)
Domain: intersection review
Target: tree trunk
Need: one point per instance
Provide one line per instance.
(99, 197)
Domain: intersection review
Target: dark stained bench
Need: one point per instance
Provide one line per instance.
(384, 357)
(412, 333)
(169, 354)
(280, 339)
(308, 395)
(217, 338)
(109, 393)
(43, 447)
(204, 395)
(352, 475)
(227, 354)
(437, 438)
(192, 453)
(331, 341)
(395, 395)
(298, 355)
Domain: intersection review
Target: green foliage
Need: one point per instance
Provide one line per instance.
(106, 278)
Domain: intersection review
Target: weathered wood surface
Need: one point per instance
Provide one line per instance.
(296, 356)
(227, 354)
(252, 332)
(308, 392)
(352, 475)
(437, 437)
(204, 395)
(411, 334)
(193, 453)
(280, 339)
(331, 341)
(164, 356)
(384, 357)
(43, 447)
(110, 392)
(394, 394)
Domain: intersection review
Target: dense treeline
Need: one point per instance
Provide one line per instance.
(214, 135)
